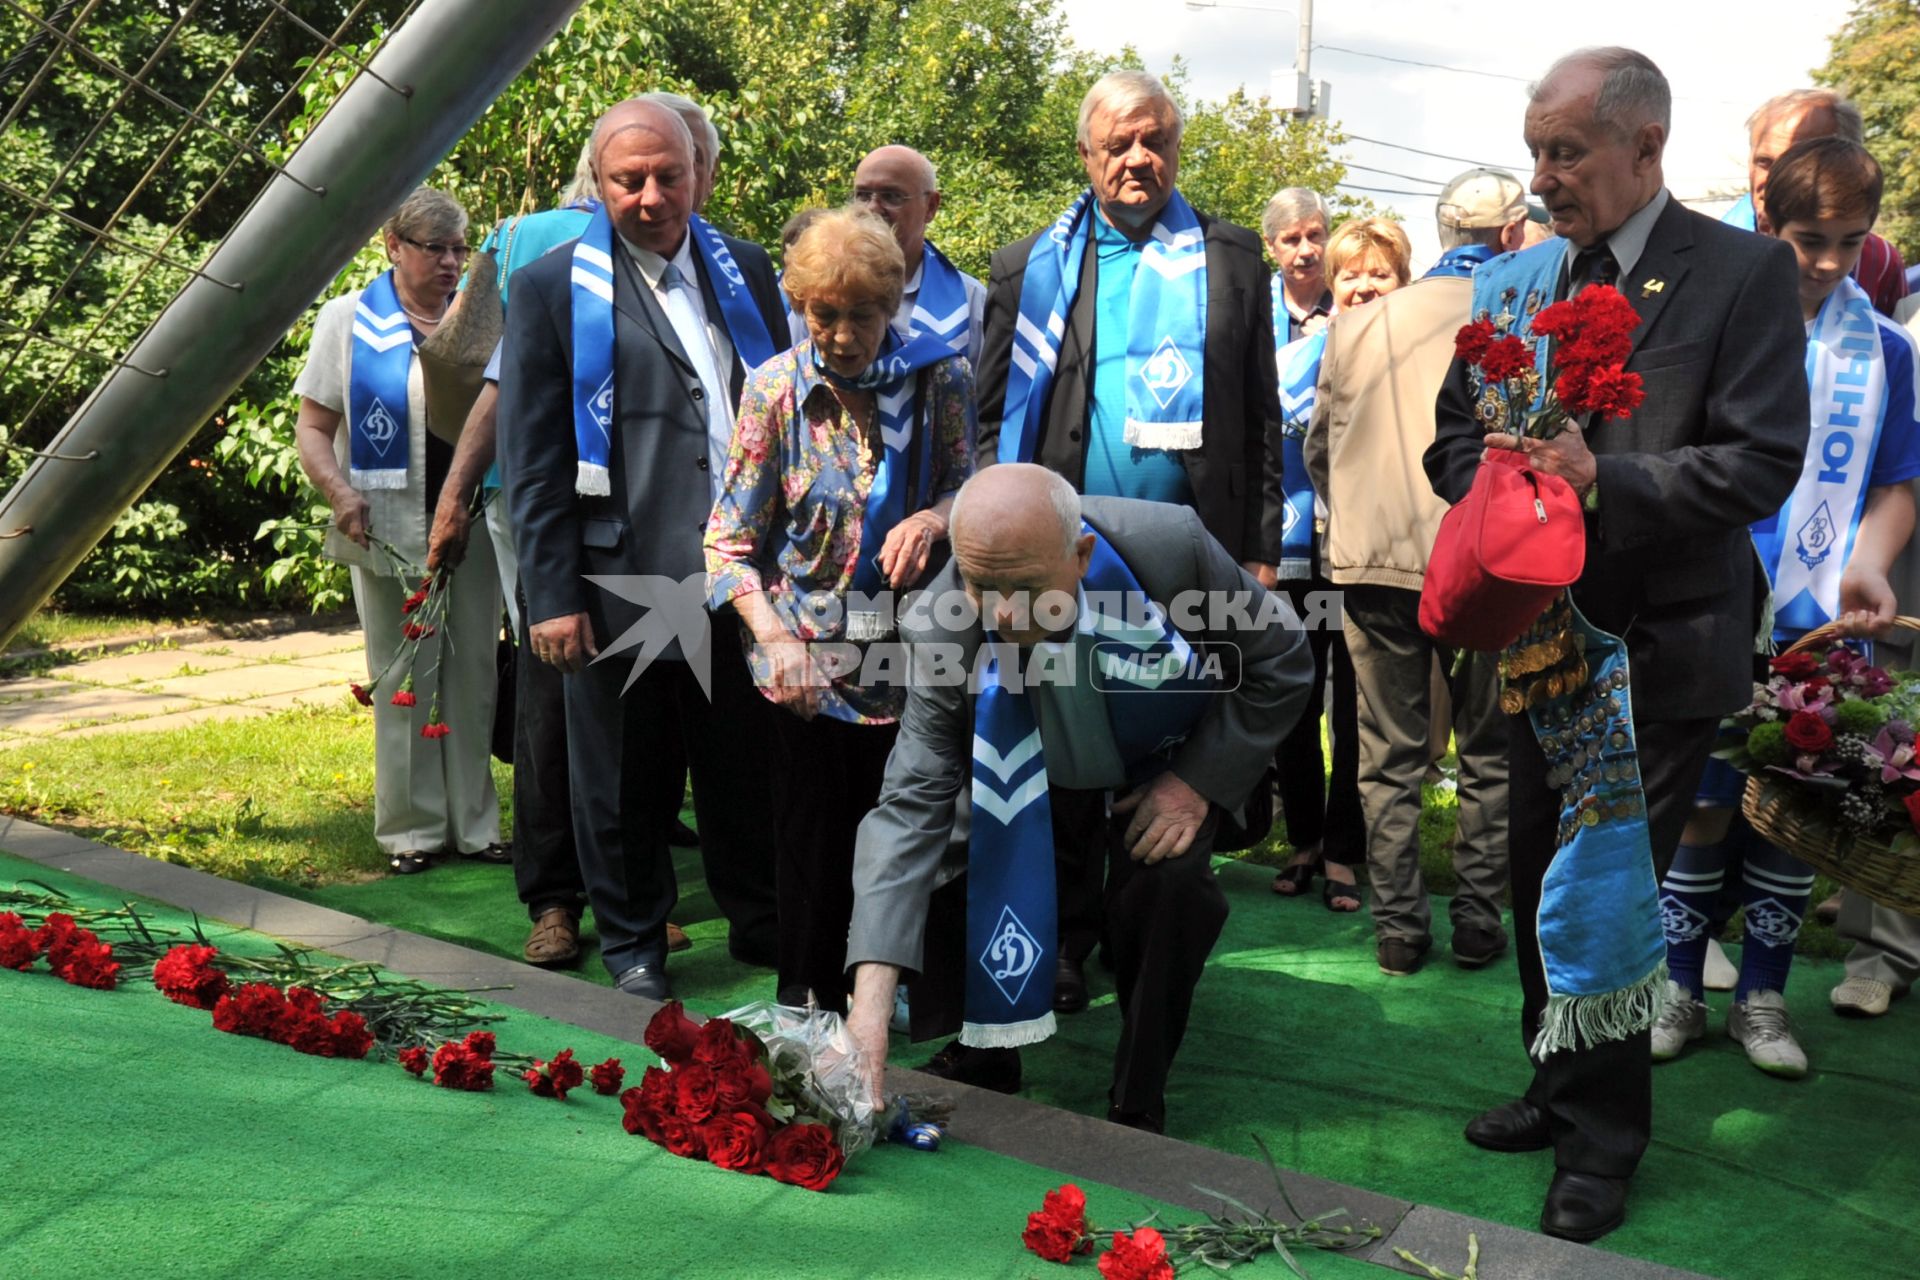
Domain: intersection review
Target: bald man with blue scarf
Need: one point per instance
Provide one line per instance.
(1087, 650)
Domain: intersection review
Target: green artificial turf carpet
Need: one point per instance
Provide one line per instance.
(1364, 1079)
(138, 1141)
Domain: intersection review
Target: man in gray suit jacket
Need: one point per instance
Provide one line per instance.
(1670, 566)
(1017, 532)
(677, 370)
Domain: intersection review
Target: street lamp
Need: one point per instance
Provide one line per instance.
(1309, 100)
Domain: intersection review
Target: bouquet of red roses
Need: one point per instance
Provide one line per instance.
(1592, 336)
(792, 1101)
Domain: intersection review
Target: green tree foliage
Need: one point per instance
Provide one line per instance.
(1875, 60)
(988, 89)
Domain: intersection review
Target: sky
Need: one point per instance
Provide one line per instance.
(1722, 60)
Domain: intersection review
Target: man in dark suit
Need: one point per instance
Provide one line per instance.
(1129, 140)
(1670, 568)
(671, 418)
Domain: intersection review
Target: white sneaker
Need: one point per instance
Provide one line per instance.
(1683, 1020)
(1761, 1025)
(1720, 975)
(1861, 997)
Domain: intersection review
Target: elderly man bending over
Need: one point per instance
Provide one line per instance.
(1114, 648)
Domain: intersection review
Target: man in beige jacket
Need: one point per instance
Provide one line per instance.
(1373, 420)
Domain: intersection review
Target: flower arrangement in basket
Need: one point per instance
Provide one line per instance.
(1828, 743)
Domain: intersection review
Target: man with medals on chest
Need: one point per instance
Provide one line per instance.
(1616, 692)
(622, 361)
(1073, 649)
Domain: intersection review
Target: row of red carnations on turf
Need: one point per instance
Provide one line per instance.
(1060, 1231)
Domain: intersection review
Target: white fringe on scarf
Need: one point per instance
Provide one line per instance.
(590, 480)
(1571, 1022)
(1007, 1035)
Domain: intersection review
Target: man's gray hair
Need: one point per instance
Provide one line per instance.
(427, 214)
(1126, 91)
(1633, 91)
(704, 135)
(1064, 498)
(1846, 116)
(1452, 237)
(1291, 206)
(600, 126)
(582, 185)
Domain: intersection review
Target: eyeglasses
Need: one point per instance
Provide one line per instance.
(435, 249)
(890, 198)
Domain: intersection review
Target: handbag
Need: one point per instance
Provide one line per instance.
(1503, 552)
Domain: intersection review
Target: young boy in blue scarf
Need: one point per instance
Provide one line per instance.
(1826, 553)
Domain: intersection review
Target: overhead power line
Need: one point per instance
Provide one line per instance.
(1414, 62)
(1410, 177)
(1436, 155)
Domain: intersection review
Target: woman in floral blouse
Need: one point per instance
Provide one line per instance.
(847, 454)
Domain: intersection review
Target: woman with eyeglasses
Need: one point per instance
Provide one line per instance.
(364, 444)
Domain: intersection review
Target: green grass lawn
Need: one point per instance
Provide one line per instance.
(52, 629)
(290, 797)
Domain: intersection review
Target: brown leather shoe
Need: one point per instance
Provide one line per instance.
(555, 939)
(677, 939)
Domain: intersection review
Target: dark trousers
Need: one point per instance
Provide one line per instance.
(826, 779)
(546, 865)
(1599, 1099)
(627, 752)
(1323, 809)
(1160, 925)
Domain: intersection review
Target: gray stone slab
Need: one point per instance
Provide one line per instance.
(1080, 1146)
(244, 682)
(295, 644)
(84, 705)
(1439, 1237)
(193, 714)
(154, 664)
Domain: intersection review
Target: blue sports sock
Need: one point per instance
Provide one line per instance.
(1776, 887)
(1686, 904)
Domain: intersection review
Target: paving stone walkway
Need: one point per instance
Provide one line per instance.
(171, 686)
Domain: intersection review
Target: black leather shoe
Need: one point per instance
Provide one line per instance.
(995, 1069)
(1583, 1206)
(1475, 948)
(496, 854)
(1143, 1120)
(648, 980)
(1511, 1126)
(1069, 986)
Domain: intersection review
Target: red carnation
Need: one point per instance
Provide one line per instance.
(415, 1060)
(404, 696)
(361, 695)
(1060, 1229)
(1794, 666)
(88, 962)
(682, 1137)
(55, 937)
(1473, 340)
(553, 1079)
(308, 1033)
(1808, 734)
(805, 1155)
(418, 631)
(17, 949)
(1144, 1257)
(1610, 392)
(1507, 358)
(671, 1034)
(413, 601)
(185, 975)
(436, 729)
(457, 1066)
(351, 1039)
(1912, 801)
(607, 1076)
(483, 1043)
(737, 1139)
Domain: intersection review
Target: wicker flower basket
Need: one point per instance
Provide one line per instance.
(1779, 812)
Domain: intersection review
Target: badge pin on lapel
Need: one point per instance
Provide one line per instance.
(1652, 287)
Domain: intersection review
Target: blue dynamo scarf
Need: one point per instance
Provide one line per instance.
(593, 355)
(1166, 336)
(1299, 364)
(1741, 215)
(1154, 697)
(381, 360)
(941, 307)
(893, 377)
(1601, 943)
(1805, 546)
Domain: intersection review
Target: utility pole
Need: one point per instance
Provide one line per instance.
(1310, 100)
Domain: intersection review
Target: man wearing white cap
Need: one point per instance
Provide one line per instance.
(1372, 421)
